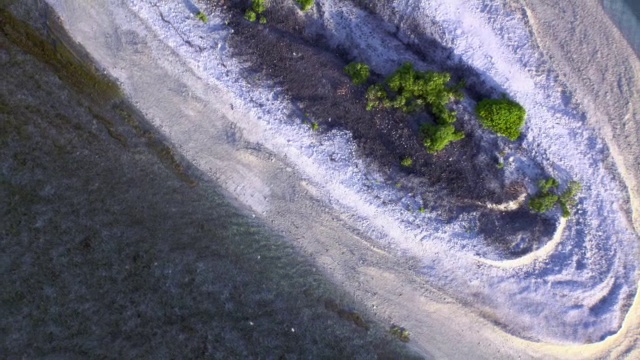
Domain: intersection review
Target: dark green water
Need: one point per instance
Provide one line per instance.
(626, 15)
(115, 247)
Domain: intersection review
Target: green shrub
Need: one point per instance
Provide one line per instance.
(250, 15)
(258, 6)
(568, 198)
(546, 185)
(407, 162)
(305, 5)
(503, 116)
(543, 203)
(438, 136)
(399, 332)
(376, 97)
(547, 200)
(416, 90)
(202, 17)
(413, 90)
(359, 72)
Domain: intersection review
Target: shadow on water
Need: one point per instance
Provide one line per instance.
(114, 246)
(625, 14)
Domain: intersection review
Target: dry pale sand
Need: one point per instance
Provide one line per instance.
(197, 118)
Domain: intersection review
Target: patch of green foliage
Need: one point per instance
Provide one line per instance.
(438, 136)
(500, 165)
(250, 15)
(416, 90)
(568, 198)
(376, 97)
(503, 116)
(202, 17)
(547, 199)
(399, 332)
(543, 203)
(407, 162)
(546, 185)
(257, 8)
(305, 5)
(359, 72)
(413, 91)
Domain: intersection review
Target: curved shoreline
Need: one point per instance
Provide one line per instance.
(253, 191)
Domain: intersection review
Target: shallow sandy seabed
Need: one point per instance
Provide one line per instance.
(440, 326)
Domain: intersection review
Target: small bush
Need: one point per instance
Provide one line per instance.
(407, 162)
(250, 15)
(399, 332)
(258, 6)
(546, 185)
(202, 17)
(359, 72)
(503, 116)
(305, 5)
(568, 198)
(543, 203)
(438, 136)
(416, 90)
(376, 97)
(546, 200)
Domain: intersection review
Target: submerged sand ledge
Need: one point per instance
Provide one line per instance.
(257, 179)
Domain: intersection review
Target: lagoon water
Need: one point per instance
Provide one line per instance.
(626, 15)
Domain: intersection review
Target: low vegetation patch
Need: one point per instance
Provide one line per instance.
(543, 203)
(258, 7)
(411, 91)
(202, 17)
(305, 5)
(399, 332)
(438, 136)
(419, 91)
(407, 162)
(547, 197)
(567, 199)
(377, 97)
(359, 72)
(503, 116)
